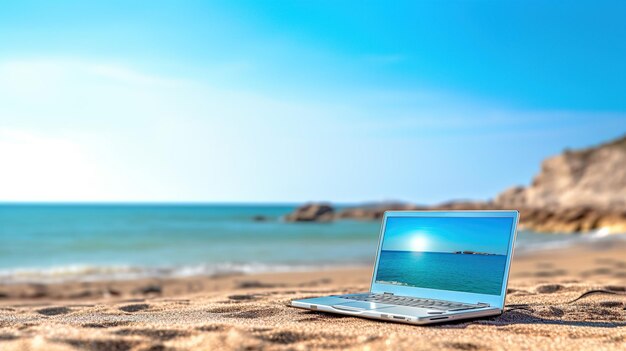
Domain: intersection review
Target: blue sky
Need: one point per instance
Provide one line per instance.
(490, 235)
(287, 101)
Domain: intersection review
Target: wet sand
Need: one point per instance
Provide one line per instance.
(564, 299)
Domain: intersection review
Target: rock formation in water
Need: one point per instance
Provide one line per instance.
(312, 212)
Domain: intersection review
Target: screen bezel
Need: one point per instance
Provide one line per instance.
(449, 295)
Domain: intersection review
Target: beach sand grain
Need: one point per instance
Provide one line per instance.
(570, 299)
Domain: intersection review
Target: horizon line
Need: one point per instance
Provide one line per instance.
(452, 252)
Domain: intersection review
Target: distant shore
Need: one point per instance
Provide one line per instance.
(579, 219)
(576, 191)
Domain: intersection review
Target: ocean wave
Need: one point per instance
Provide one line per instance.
(86, 273)
(527, 243)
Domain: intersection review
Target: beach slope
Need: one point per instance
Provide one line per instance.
(570, 299)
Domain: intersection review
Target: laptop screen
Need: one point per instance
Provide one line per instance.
(466, 254)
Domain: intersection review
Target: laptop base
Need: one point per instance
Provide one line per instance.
(344, 304)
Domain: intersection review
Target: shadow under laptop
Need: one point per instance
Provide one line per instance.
(576, 312)
(520, 317)
(506, 319)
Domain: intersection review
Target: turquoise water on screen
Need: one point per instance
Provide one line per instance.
(481, 274)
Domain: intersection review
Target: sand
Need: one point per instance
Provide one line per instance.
(564, 299)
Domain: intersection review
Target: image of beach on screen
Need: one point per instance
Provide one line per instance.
(464, 254)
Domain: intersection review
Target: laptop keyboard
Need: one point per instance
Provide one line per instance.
(414, 302)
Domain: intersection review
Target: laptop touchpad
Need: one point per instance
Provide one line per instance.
(406, 310)
(360, 306)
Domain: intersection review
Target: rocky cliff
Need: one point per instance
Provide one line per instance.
(593, 177)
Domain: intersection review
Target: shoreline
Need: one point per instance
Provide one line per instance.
(572, 261)
(109, 273)
(54, 278)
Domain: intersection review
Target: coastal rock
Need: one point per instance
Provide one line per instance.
(589, 178)
(375, 211)
(513, 197)
(318, 212)
(259, 218)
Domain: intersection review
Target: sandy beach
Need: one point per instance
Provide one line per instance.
(561, 299)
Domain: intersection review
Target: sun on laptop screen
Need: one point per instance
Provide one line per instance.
(465, 254)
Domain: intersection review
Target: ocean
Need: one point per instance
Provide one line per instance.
(52, 242)
(481, 274)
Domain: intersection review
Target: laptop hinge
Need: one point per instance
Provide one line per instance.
(483, 304)
(387, 293)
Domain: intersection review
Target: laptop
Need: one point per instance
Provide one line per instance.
(433, 267)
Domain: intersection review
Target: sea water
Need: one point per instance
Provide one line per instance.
(42, 242)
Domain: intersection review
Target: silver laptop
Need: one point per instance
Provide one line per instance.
(433, 267)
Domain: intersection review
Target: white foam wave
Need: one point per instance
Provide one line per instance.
(122, 272)
(87, 272)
